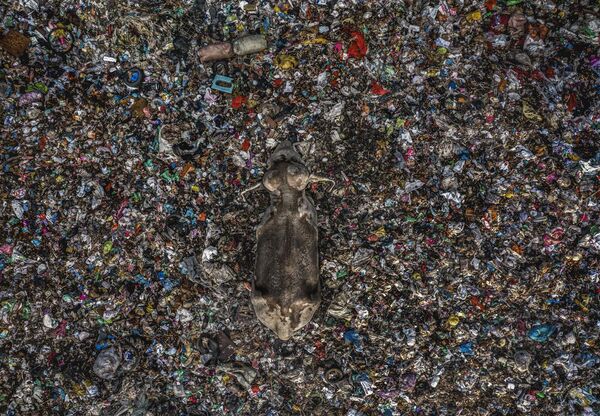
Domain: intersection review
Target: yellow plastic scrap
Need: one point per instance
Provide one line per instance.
(433, 73)
(574, 258)
(318, 40)
(286, 61)
(529, 112)
(77, 389)
(474, 16)
(380, 232)
(583, 303)
(453, 320)
(577, 394)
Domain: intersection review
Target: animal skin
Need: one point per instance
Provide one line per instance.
(286, 288)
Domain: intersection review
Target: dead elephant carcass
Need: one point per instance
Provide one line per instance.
(286, 290)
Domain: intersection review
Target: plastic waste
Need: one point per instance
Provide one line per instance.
(249, 44)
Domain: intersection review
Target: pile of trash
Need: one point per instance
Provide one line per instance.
(459, 248)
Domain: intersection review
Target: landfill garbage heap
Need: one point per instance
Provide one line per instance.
(458, 251)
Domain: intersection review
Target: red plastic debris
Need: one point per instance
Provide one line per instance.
(245, 145)
(571, 102)
(358, 46)
(238, 101)
(377, 89)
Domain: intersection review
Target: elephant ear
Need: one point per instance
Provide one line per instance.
(297, 176)
(273, 181)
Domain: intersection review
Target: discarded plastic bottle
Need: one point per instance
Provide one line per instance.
(522, 360)
(466, 348)
(352, 336)
(216, 52)
(541, 333)
(249, 44)
(107, 363)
